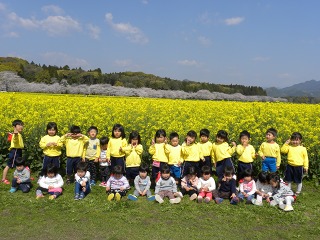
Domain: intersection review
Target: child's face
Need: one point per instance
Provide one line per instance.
(204, 139)
(92, 133)
(295, 142)
(175, 141)
(117, 175)
(220, 140)
(244, 140)
(19, 128)
(81, 173)
(165, 175)
(51, 132)
(191, 176)
(273, 183)
(247, 179)
(117, 133)
(143, 174)
(134, 142)
(270, 137)
(206, 176)
(191, 140)
(160, 139)
(50, 175)
(20, 168)
(104, 147)
(228, 178)
(75, 135)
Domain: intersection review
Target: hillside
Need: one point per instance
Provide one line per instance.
(306, 89)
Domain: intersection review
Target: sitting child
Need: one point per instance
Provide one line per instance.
(21, 177)
(226, 188)
(282, 194)
(206, 185)
(189, 184)
(117, 186)
(142, 185)
(247, 186)
(82, 181)
(166, 186)
(263, 189)
(51, 182)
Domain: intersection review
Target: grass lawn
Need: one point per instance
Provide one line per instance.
(24, 217)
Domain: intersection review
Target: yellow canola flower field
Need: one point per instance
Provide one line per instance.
(148, 115)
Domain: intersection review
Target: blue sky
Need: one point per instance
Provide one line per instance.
(261, 43)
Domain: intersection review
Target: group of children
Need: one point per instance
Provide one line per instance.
(188, 166)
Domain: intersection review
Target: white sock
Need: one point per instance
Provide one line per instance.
(299, 187)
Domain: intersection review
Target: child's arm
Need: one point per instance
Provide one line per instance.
(108, 187)
(254, 188)
(59, 182)
(43, 143)
(125, 184)
(278, 161)
(157, 188)
(25, 176)
(174, 185)
(42, 182)
(212, 184)
(261, 151)
(305, 160)
(139, 149)
(152, 149)
(285, 147)
(98, 152)
(136, 184)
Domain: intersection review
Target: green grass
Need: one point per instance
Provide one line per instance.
(24, 217)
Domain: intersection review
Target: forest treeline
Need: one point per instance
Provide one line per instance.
(51, 74)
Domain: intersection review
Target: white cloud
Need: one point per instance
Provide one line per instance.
(23, 22)
(188, 62)
(145, 1)
(12, 35)
(204, 41)
(284, 75)
(59, 25)
(2, 7)
(205, 18)
(62, 59)
(94, 31)
(52, 9)
(123, 63)
(261, 59)
(233, 21)
(132, 33)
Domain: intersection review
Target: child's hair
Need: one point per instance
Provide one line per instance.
(274, 177)
(204, 132)
(205, 170)
(192, 134)
(272, 131)
(135, 135)
(296, 135)
(247, 173)
(228, 171)
(82, 166)
(165, 168)
(19, 161)
(75, 129)
(191, 171)
(104, 141)
(173, 135)
(119, 127)
(223, 135)
(17, 122)
(244, 133)
(51, 125)
(263, 177)
(159, 133)
(144, 168)
(117, 169)
(92, 128)
(51, 168)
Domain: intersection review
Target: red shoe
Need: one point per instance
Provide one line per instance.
(5, 181)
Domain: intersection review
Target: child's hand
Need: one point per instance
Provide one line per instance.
(288, 141)
(153, 142)
(83, 184)
(68, 134)
(15, 131)
(18, 181)
(96, 160)
(206, 189)
(122, 188)
(83, 160)
(263, 157)
(120, 149)
(278, 167)
(50, 187)
(305, 170)
(233, 195)
(141, 193)
(234, 144)
(268, 199)
(144, 192)
(84, 189)
(107, 189)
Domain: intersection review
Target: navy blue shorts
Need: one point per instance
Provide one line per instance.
(293, 174)
(13, 155)
(132, 172)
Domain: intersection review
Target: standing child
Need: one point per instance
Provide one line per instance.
(206, 185)
(15, 150)
(263, 189)
(74, 142)
(226, 187)
(142, 185)
(116, 142)
(222, 152)
(105, 168)
(92, 153)
(246, 153)
(247, 186)
(206, 148)
(282, 194)
(133, 156)
(191, 153)
(21, 177)
(189, 184)
(117, 185)
(51, 182)
(157, 150)
(269, 151)
(298, 161)
(166, 186)
(173, 150)
(82, 177)
(51, 147)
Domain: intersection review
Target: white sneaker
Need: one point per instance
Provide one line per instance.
(178, 194)
(175, 200)
(193, 197)
(159, 199)
(288, 208)
(256, 202)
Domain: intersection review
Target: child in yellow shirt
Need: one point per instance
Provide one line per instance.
(174, 155)
(206, 148)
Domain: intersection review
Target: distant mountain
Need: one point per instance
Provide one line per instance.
(306, 89)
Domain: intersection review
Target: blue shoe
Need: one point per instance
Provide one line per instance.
(132, 197)
(234, 201)
(81, 196)
(92, 182)
(218, 200)
(151, 198)
(76, 197)
(13, 189)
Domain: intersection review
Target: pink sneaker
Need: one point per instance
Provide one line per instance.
(103, 184)
(5, 181)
